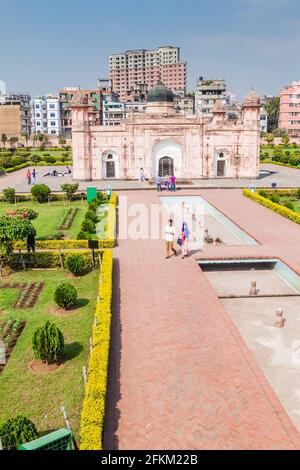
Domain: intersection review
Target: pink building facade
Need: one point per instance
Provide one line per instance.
(289, 117)
(163, 141)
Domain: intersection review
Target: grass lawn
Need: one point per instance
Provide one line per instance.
(36, 395)
(295, 202)
(51, 217)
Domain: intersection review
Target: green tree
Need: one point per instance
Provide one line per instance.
(62, 140)
(272, 108)
(3, 139)
(13, 140)
(70, 190)
(48, 343)
(12, 229)
(279, 132)
(285, 139)
(269, 138)
(16, 431)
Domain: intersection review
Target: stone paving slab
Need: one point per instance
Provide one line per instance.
(285, 177)
(181, 377)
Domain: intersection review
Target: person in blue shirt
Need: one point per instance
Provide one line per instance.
(158, 183)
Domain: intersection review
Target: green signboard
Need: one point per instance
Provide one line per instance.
(91, 194)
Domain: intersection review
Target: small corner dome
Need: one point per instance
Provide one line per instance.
(160, 93)
(219, 107)
(252, 99)
(80, 99)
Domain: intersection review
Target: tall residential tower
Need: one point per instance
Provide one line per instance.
(133, 73)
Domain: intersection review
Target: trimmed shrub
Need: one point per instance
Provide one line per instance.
(284, 211)
(65, 295)
(36, 159)
(17, 431)
(83, 235)
(70, 189)
(275, 198)
(91, 215)
(50, 159)
(16, 161)
(40, 192)
(75, 264)
(48, 343)
(289, 205)
(263, 193)
(298, 193)
(88, 226)
(9, 195)
(93, 206)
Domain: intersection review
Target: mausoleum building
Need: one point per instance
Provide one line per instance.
(163, 141)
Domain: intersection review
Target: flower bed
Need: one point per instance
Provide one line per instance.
(93, 412)
(10, 331)
(29, 293)
(68, 220)
(285, 212)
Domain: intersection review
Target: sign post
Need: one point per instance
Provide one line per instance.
(93, 245)
(91, 194)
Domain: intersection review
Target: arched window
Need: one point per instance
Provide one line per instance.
(110, 157)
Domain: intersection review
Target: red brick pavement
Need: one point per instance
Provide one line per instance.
(181, 376)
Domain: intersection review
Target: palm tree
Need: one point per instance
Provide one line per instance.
(26, 137)
(4, 139)
(272, 109)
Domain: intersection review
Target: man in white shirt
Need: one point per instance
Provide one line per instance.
(170, 232)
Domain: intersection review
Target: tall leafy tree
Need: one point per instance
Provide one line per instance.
(272, 108)
(4, 139)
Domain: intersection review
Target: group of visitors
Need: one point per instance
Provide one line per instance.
(182, 240)
(167, 182)
(31, 177)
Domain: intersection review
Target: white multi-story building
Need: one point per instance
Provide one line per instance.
(113, 113)
(207, 93)
(46, 118)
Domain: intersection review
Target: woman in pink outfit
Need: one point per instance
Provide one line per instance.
(185, 239)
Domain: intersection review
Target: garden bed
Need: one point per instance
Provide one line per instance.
(10, 331)
(40, 395)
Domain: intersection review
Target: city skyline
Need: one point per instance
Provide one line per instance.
(249, 43)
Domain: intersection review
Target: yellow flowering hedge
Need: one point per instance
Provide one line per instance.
(93, 411)
(284, 211)
(64, 244)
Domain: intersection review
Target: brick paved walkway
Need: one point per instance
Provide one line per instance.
(181, 376)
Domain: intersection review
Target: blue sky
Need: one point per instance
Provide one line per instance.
(251, 43)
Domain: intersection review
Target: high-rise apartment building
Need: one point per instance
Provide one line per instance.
(207, 93)
(289, 116)
(133, 73)
(46, 115)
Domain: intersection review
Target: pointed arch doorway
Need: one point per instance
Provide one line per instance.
(166, 166)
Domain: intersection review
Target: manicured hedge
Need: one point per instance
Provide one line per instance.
(64, 244)
(93, 411)
(287, 213)
(51, 259)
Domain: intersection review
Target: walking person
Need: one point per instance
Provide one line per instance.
(34, 176)
(158, 183)
(142, 176)
(185, 233)
(28, 177)
(31, 241)
(172, 183)
(170, 231)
